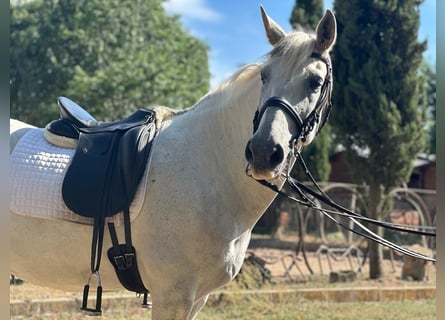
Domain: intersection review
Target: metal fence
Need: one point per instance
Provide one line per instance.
(334, 244)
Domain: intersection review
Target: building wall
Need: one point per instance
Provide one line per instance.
(429, 176)
(423, 177)
(339, 169)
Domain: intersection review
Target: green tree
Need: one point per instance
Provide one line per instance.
(376, 95)
(306, 14)
(113, 56)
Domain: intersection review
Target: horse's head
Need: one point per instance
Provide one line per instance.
(295, 95)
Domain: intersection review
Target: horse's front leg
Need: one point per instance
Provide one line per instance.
(198, 306)
(175, 302)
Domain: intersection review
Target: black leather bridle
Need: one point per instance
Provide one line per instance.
(304, 127)
(307, 195)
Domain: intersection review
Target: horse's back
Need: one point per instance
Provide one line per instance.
(16, 130)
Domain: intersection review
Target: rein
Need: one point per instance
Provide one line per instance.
(307, 195)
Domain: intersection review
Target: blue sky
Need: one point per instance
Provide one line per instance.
(234, 32)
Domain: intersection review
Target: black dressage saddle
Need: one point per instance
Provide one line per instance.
(110, 158)
(102, 180)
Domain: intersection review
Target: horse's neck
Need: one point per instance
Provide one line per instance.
(218, 129)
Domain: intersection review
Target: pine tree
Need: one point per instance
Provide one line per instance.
(376, 97)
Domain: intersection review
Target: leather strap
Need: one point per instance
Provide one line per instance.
(307, 195)
(283, 104)
(123, 258)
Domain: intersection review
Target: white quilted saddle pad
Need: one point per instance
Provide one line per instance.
(37, 169)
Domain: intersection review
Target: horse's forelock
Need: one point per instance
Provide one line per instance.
(294, 49)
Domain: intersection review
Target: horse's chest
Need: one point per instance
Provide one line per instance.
(235, 254)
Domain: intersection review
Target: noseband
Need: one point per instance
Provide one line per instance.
(304, 127)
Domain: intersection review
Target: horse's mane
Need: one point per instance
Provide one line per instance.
(164, 113)
(244, 74)
(297, 46)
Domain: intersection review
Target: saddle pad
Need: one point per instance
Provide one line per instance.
(37, 170)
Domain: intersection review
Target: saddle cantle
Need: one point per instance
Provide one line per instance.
(74, 119)
(102, 179)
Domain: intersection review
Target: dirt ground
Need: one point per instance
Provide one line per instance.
(286, 270)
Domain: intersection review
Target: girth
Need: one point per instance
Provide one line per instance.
(102, 180)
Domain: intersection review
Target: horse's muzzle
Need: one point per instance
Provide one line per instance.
(265, 159)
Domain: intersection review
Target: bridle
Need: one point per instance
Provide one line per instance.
(308, 195)
(304, 127)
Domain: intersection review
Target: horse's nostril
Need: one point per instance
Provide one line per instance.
(248, 152)
(277, 156)
(266, 160)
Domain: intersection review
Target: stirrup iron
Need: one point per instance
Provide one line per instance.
(97, 310)
(145, 303)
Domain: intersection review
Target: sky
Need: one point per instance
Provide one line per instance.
(234, 32)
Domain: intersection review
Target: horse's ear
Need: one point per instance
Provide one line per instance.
(326, 31)
(273, 30)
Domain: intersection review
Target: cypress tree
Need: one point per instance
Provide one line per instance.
(306, 13)
(377, 113)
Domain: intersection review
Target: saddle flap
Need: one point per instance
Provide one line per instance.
(106, 169)
(135, 146)
(84, 187)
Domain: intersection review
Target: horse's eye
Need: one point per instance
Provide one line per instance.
(263, 78)
(315, 83)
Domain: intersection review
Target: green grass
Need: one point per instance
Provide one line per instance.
(258, 307)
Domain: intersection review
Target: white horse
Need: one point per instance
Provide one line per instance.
(200, 206)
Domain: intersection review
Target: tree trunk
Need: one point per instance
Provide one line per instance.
(374, 249)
